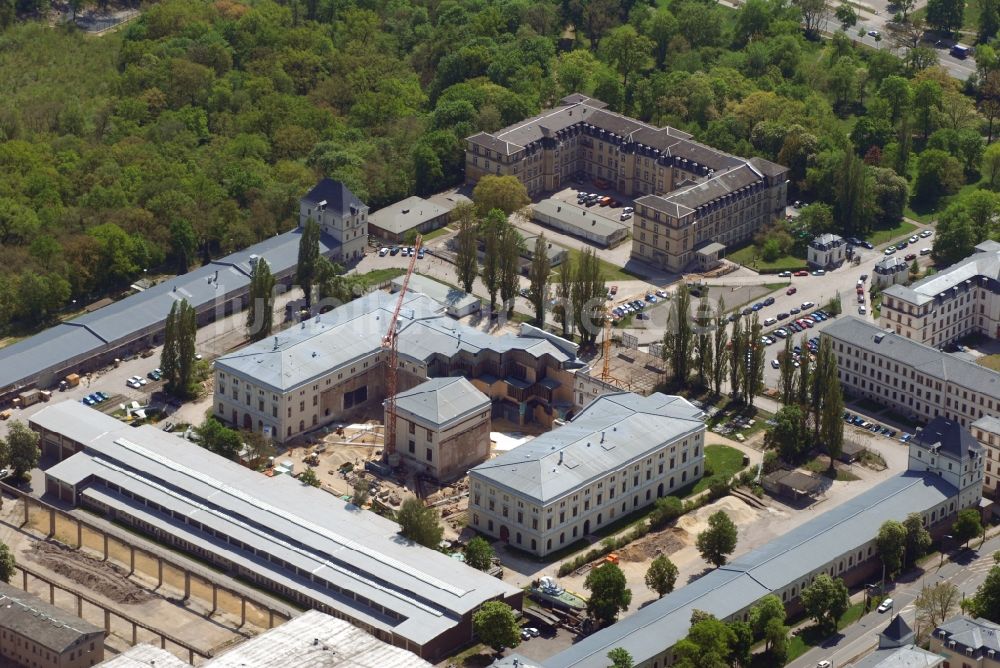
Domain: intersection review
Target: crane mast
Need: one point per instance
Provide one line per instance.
(390, 345)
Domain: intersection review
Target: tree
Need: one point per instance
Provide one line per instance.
(852, 196)
(938, 174)
(184, 244)
(918, 539)
(419, 523)
(7, 564)
(719, 540)
(826, 600)
(681, 316)
(945, 15)
(891, 542)
(332, 284)
(20, 449)
(986, 601)
(466, 263)
(563, 309)
(308, 477)
(218, 438)
(620, 658)
(661, 575)
(831, 423)
(936, 603)
(805, 380)
(991, 165)
(665, 510)
(588, 293)
(814, 15)
(479, 554)
(260, 312)
(776, 639)
(493, 229)
(707, 645)
(627, 50)
(609, 594)
(258, 446)
(790, 435)
(720, 342)
(740, 648)
(177, 357)
(765, 612)
(505, 193)
(754, 378)
(361, 491)
(989, 20)
(511, 246)
(538, 291)
(704, 359)
(496, 625)
(846, 16)
(967, 526)
(786, 367)
(305, 270)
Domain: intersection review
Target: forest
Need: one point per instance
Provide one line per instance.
(193, 130)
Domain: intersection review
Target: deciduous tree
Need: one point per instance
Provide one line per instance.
(466, 245)
(496, 625)
(305, 271)
(967, 526)
(936, 603)
(505, 193)
(918, 539)
(479, 554)
(609, 593)
(826, 600)
(661, 575)
(260, 312)
(891, 543)
(538, 291)
(718, 541)
(419, 523)
(20, 449)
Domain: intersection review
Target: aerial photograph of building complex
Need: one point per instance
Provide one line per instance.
(500, 334)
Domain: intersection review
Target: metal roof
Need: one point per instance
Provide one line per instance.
(88, 335)
(451, 297)
(924, 359)
(580, 218)
(786, 559)
(990, 423)
(984, 263)
(402, 216)
(356, 551)
(49, 626)
(145, 656)
(909, 656)
(354, 331)
(316, 640)
(612, 431)
(442, 401)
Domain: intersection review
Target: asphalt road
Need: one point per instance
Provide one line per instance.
(965, 569)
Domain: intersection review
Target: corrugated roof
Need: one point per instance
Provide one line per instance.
(316, 640)
(357, 551)
(784, 560)
(611, 431)
(924, 359)
(452, 298)
(403, 216)
(49, 626)
(440, 401)
(354, 331)
(90, 334)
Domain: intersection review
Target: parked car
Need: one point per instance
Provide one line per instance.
(886, 605)
(628, 209)
(864, 277)
(747, 311)
(913, 239)
(823, 664)
(662, 294)
(794, 311)
(785, 274)
(775, 364)
(791, 291)
(925, 234)
(807, 305)
(801, 272)
(782, 315)
(901, 245)
(394, 251)
(910, 257)
(925, 251)
(626, 216)
(819, 272)
(770, 321)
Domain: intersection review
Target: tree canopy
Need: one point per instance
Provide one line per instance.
(609, 593)
(419, 523)
(718, 541)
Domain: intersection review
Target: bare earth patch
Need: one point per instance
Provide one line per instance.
(99, 576)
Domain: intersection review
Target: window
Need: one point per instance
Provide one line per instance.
(413, 447)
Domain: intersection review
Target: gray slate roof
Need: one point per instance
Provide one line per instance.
(737, 585)
(985, 262)
(439, 402)
(979, 633)
(338, 197)
(909, 656)
(990, 423)
(826, 241)
(890, 264)
(613, 430)
(354, 331)
(925, 359)
(950, 437)
(583, 219)
(403, 216)
(49, 626)
(450, 297)
(355, 550)
(88, 335)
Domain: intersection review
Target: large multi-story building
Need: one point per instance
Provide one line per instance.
(986, 430)
(341, 215)
(302, 543)
(969, 643)
(914, 379)
(331, 368)
(689, 195)
(35, 634)
(963, 299)
(841, 542)
(620, 453)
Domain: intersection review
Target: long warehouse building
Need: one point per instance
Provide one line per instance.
(276, 533)
(945, 476)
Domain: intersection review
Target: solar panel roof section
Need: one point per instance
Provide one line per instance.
(780, 562)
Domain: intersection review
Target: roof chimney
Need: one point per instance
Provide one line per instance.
(560, 457)
(276, 343)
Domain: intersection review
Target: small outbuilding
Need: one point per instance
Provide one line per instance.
(392, 223)
(581, 222)
(827, 251)
(457, 302)
(792, 484)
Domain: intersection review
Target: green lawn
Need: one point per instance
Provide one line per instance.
(886, 235)
(748, 256)
(376, 276)
(821, 465)
(723, 461)
(434, 234)
(811, 637)
(609, 272)
(970, 20)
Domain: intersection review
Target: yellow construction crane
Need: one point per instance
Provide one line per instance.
(390, 343)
